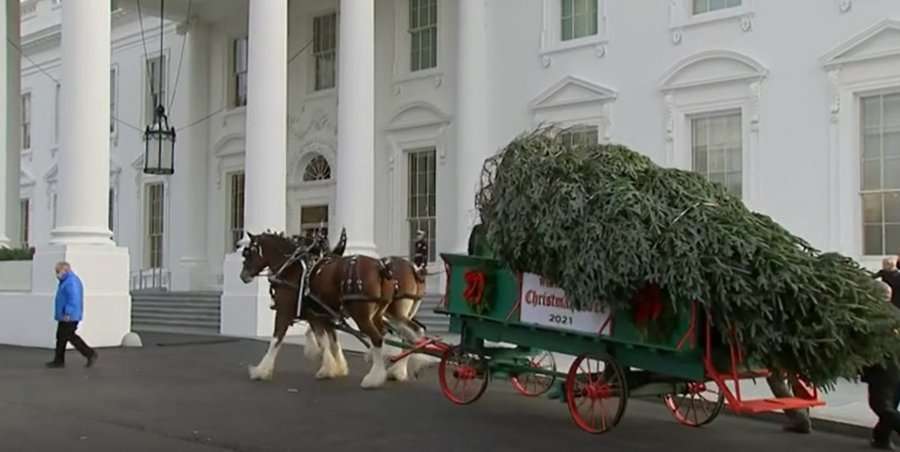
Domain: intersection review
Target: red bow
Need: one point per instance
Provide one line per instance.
(649, 305)
(475, 281)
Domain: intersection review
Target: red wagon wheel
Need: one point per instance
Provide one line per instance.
(697, 405)
(463, 376)
(533, 384)
(596, 392)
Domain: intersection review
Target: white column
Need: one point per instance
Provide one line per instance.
(5, 122)
(245, 307)
(189, 185)
(84, 136)
(265, 160)
(82, 237)
(472, 143)
(355, 204)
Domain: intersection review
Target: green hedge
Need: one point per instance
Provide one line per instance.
(16, 254)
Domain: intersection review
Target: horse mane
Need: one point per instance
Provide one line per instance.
(285, 244)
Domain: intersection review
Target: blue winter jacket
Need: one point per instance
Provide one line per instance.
(69, 298)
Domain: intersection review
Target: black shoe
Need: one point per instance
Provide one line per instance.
(92, 360)
(55, 365)
(881, 445)
(798, 428)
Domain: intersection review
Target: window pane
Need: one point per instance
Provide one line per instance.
(581, 25)
(892, 173)
(567, 8)
(871, 107)
(716, 161)
(891, 238)
(872, 146)
(716, 4)
(733, 160)
(892, 113)
(872, 208)
(567, 31)
(871, 175)
(891, 208)
(872, 240)
(701, 6)
(700, 160)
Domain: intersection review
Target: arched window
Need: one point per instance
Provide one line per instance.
(317, 169)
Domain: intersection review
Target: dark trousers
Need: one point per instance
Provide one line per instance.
(65, 333)
(884, 396)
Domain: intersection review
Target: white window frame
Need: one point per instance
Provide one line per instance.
(113, 101)
(551, 32)
(147, 254)
(436, 45)
(233, 72)
(682, 17)
(230, 245)
(735, 86)
(403, 72)
(25, 219)
(579, 129)
(27, 121)
(711, 115)
(112, 216)
(149, 109)
(334, 52)
(881, 190)
(557, 106)
(408, 219)
(418, 125)
(854, 72)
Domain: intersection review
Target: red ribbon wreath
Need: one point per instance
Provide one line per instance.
(648, 305)
(474, 292)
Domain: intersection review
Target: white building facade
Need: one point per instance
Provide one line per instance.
(376, 115)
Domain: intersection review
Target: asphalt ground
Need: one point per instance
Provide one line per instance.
(188, 393)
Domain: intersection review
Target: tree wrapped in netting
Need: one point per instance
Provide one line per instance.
(602, 222)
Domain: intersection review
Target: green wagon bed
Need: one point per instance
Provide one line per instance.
(618, 354)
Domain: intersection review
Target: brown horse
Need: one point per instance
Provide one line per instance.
(409, 289)
(273, 251)
(358, 287)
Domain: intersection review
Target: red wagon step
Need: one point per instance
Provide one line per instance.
(772, 404)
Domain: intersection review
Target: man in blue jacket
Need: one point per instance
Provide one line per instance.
(69, 308)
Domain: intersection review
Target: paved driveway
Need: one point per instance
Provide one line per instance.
(190, 394)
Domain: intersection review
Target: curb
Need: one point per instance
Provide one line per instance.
(818, 425)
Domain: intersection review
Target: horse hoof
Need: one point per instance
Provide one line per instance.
(373, 381)
(399, 374)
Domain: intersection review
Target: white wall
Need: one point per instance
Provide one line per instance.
(789, 173)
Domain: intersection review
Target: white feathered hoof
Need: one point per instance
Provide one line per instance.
(398, 371)
(377, 376)
(311, 349)
(418, 363)
(260, 374)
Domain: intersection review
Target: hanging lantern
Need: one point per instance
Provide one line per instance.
(159, 137)
(159, 141)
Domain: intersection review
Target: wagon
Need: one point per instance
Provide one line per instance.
(511, 324)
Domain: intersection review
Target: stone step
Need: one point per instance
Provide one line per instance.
(176, 312)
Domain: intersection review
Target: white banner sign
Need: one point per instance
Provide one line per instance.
(546, 305)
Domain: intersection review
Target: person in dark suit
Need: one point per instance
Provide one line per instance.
(884, 389)
(69, 305)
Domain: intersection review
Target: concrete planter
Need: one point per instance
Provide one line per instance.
(15, 276)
